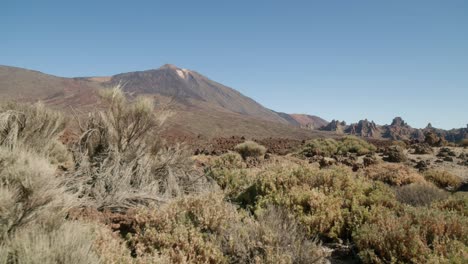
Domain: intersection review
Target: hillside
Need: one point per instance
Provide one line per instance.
(201, 106)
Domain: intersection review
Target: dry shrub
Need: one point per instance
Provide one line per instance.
(419, 194)
(443, 179)
(321, 146)
(328, 202)
(393, 174)
(276, 237)
(395, 154)
(180, 230)
(355, 145)
(230, 160)
(412, 236)
(33, 127)
(250, 149)
(458, 203)
(121, 161)
(29, 191)
(206, 229)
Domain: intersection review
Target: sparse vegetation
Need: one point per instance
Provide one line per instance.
(163, 209)
(250, 149)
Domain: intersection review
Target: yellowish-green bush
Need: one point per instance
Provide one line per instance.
(320, 146)
(328, 147)
(393, 174)
(328, 202)
(206, 229)
(443, 179)
(355, 145)
(230, 160)
(412, 236)
(250, 149)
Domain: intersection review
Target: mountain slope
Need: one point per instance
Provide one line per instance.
(190, 87)
(201, 107)
(309, 121)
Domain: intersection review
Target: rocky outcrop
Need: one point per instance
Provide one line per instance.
(364, 128)
(335, 126)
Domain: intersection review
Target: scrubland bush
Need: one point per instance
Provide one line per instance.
(230, 160)
(321, 146)
(68, 243)
(328, 147)
(29, 191)
(464, 142)
(327, 202)
(412, 236)
(393, 174)
(443, 179)
(419, 194)
(395, 154)
(120, 160)
(206, 229)
(458, 203)
(250, 149)
(355, 145)
(33, 127)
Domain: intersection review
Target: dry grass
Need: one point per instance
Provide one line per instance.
(33, 127)
(68, 243)
(393, 174)
(29, 191)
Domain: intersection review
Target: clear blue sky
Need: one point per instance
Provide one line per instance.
(346, 60)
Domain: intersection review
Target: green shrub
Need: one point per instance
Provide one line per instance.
(328, 202)
(328, 147)
(412, 236)
(355, 145)
(443, 179)
(250, 149)
(321, 146)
